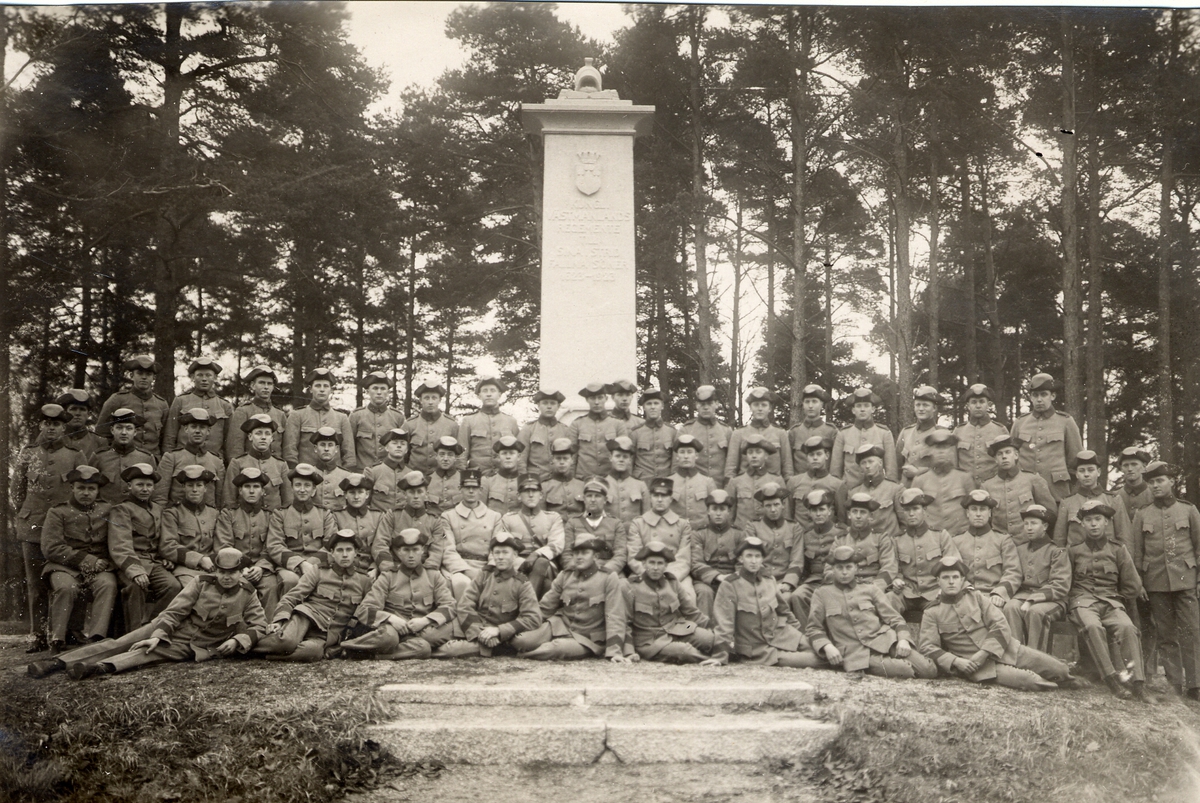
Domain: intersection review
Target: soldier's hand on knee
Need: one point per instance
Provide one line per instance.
(252, 573)
(147, 644)
(227, 647)
(833, 655)
(103, 565)
(903, 648)
(1026, 605)
(274, 627)
(142, 581)
(418, 624)
(399, 624)
(898, 583)
(489, 636)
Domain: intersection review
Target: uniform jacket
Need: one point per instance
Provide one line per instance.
(166, 490)
(471, 529)
(409, 594)
(628, 497)
(591, 433)
(652, 607)
(203, 616)
(236, 441)
(842, 462)
(918, 555)
(111, 462)
(542, 533)
(1166, 545)
(779, 463)
(440, 555)
(669, 528)
(712, 552)
(277, 490)
(538, 436)
(1101, 571)
(856, 619)
(134, 532)
(245, 528)
(328, 494)
(946, 511)
(499, 599)
(798, 434)
(875, 554)
(609, 529)
(1049, 444)
(746, 508)
(327, 597)
(911, 448)
(386, 475)
(973, 441)
(500, 491)
(883, 491)
(38, 485)
(369, 425)
(425, 434)
(1014, 494)
(627, 418)
(785, 549)
(218, 409)
(992, 562)
(86, 441)
(587, 606)
(563, 495)
(153, 408)
(297, 534)
(817, 544)
(1045, 569)
(961, 627)
(800, 485)
(714, 439)
(689, 497)
(479, 431)
(188, 534)
(75, 538)
(1137, 499)
(752, 620)
(445, 489)
(303, 422)
(652, 444)
(1068, 528)
(365, 523)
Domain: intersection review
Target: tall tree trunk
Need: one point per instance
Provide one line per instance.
(1096, 418)
(828, 265)
(1071, 283)
(934, 233)
(451, 328)
(991, 296)
(968, 241)
(360, 333)
(662, 342)
(800, 22)
(1166, 383)
(704, 309)
(903, 321)
(735, 359)
(11, 572)
(771, 330)
(411, 328)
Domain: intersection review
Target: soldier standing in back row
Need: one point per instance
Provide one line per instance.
(1048, 439)
(622, 393)
(78, 404)
(371, 422)
(976, 433)
(653, 440)
(427, 427)
(779, 459)
(813, 425)
(203, 372)
(912, 449)
(539, 435)
(141, 398)
(593, 432)
(481, 430)
(113, 461)
(863, 432)
(303, 422)
(711, 435)
(261, 381)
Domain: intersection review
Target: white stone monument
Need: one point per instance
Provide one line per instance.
(588, 277)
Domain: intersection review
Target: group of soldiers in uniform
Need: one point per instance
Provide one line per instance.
(317, 533)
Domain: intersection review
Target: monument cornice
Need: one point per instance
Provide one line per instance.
(618, 117)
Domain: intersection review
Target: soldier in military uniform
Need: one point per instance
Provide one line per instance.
(919, 549)
(664, 623)
(584, 613)
(469, 525)
(751, 619)
(203, 372)
(499, 604)
(945, 483)
(627, 495)
(79, 435)
(189, 527)
(374, 420)
(1103, 579)
(134, 539)
(385, 475)
(813, 399)
(622, 394)
(541, 535)
(539, 435)
(260, 431)
(1048, 439)
(195, 425)
(261, 380)
(562, 491)
(757, 451)
(653, 440)
(713, 547)
(968, 637)
(296, 534)
(815, 458)
(327, 442)
(779, 458)
(215, 616)
(480, 431)
(1067, 529)
(690, 487)
(500, 485)
(853, 626)
(593, 432)
(1046, 579)
(819, 538)
(246, 527)
(1015, 489)
(428, 426)
(993, 567)
(113, 460)
(359, 517)
(874, 550)
(912, 448)
(660, 523)
(1134, 490)
(876, 484)
(312, 619)
(595, 524)
(1166, 548)
(783, 538)
(977, 432)
(712, 436)
(304, 421)
(37, 486)
(75, 543)
(863, 432)
(445, 481)
(414, 512)
(141, 398)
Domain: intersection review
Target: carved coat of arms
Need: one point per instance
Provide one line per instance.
(587, 172)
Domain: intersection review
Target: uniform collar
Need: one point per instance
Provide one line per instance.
(979, 532)
(320, 407)
(657, 424)
(983, 422)
(873, 482)
(392, 464)
(597, 416)
(196, 449)
(1096, 544)
(507, 574)
(417, 572)
(358, 512)
(326, 468)
(754, 422)
(818, 475)
(197, 509)
(143, 396)
(1090, 493)
(588, 572)
(210, 394)
(655, 584)
(303, 507)
(918, 531)
(1163, 504)
(268, 406)
(78, 506)
(749, 577)
(687, 473)
(652, 518)
(378, 409)
(1046, 416)
(870, 424)
(349, 571)
(1038, 543)
(813, 423)
(257, 455)
(123, 449)
(431, 418)
(248, 508)
(619, 476)
(1011, 475)
(547, 422)
(476, 512)
(445, 474)
(720, 530)
(507, 473)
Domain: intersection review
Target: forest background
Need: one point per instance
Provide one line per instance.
(976, 193)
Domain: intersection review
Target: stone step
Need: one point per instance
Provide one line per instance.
(793, 693)
(575, 735)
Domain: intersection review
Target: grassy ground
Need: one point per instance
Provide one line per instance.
(259, 731)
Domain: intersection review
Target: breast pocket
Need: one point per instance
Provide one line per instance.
(419, 439)
(644, 607)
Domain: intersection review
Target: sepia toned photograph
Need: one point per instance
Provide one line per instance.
(449, 401)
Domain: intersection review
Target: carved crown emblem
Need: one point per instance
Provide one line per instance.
(587, 172)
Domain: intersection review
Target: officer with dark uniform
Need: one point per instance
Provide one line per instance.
(195, 425)
(813, 400)
(134, 539)
(539, 435)
(261, 380)
(480, 431)
(711, 435)
(1048, 439)
(141, 398)
(592, 433)
(303, 422)
(653, 440)
(779, 459)
(979, 430)
(372, 421)
(113, 460)
(428, 426)
(203, 372)
(863, 432)
(78, 404)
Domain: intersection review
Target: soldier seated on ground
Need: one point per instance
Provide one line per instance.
(215, 616)
(853, 626)
(968, 636)
(499, 604)
(584, 612)
(752, 621)
(664, 624)
(1046, 578)
(312, 619)
(409, 609)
